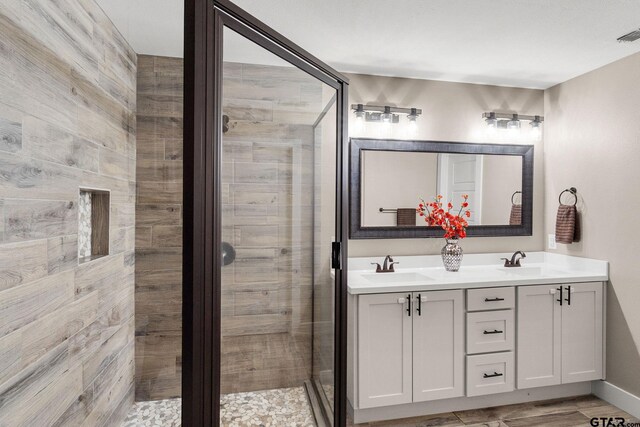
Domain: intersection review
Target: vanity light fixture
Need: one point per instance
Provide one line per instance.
(512, 122)
(384, 113)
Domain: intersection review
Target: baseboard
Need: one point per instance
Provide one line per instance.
(617, 397)
(466, 403)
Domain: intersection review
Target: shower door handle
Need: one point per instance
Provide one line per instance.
(335, 255)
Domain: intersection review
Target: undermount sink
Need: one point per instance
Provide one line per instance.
(531, 271)
(396, 277)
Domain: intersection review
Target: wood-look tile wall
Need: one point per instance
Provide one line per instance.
(67, 121)
(159, 228)
(268, 216)
(268, 186)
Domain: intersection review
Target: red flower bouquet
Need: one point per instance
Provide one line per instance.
(454, 225)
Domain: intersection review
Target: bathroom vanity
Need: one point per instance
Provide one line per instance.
(423, 340)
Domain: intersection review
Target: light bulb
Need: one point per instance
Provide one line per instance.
(492, 124)
(536, 128)
(358, 125)
(514, 123)
(491, 121)
(386, 116)
(412, 128)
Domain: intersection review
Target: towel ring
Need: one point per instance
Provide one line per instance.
(513, 195)
(571, 190)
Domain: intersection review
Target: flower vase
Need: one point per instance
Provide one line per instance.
(452, 255)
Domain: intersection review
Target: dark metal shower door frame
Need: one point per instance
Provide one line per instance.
(202, 261)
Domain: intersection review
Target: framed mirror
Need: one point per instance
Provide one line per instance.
(388, 178)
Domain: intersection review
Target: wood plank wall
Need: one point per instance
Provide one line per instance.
(159, 228)
(67, 121)
(268, 183)
(268, 164)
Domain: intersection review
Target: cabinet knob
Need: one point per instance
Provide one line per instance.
(552, 291)
(402, 300)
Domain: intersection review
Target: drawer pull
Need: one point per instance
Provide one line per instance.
(493, 299)
(495, 374)
(495, 331)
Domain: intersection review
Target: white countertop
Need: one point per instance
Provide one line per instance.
(420, 273)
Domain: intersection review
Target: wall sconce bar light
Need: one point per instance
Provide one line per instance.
(510, 120)
(384, 113)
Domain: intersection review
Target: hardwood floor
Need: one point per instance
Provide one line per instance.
(577, 411)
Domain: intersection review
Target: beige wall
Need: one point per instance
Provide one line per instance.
(592, 134)
(67, 121)
(451, 112)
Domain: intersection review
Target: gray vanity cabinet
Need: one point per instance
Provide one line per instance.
(560, 337)
(582, 333)
(410, 347)
(438, 345)
(384, 343)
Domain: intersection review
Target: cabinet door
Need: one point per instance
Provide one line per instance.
(582, 322)
(384, 350)
(539, 336)
(438, 345)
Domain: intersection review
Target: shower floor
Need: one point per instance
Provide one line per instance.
(268, 408)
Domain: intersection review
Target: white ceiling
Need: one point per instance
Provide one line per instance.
(527, 43)
(152, 27)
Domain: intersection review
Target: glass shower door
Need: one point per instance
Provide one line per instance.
(278, 222)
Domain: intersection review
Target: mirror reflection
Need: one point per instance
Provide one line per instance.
(393, 182)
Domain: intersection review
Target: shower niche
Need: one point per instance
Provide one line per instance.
(93, 224)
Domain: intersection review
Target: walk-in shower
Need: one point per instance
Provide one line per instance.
(278, 222)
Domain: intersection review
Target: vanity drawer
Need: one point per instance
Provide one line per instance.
(490, 298)
(490, 373)
(489, 331)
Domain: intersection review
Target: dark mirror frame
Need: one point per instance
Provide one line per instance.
(358, 145)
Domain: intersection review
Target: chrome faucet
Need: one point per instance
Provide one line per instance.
(514, 262)
(387, 265)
